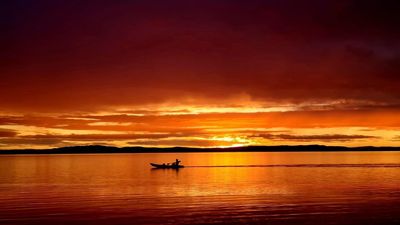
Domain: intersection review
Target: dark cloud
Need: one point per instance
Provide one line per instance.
(104, 66)
(7, 133)
(314, 138)
(96, 137)
(73, 55)
(30, 141)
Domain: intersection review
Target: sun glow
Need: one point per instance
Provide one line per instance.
(203, 127)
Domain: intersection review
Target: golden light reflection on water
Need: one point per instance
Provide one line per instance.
(213, 186)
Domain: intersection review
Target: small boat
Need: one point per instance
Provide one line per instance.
(166, 166)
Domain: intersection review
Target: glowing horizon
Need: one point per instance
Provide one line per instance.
(195, 74)
(220, 127)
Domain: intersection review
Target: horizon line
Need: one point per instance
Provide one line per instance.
(160, 149)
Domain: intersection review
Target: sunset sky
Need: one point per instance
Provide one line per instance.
(199, 73)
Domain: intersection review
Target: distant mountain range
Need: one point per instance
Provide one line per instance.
(280, 148)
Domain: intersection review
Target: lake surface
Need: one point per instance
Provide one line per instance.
(214, 188)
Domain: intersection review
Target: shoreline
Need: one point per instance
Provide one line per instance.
(110, 150)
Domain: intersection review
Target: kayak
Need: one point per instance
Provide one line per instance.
(165, 166)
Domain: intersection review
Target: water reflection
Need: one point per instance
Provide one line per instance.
(225, 188)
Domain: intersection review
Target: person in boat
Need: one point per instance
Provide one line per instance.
(176, 163)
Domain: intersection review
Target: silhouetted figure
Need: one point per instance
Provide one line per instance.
(177, 162)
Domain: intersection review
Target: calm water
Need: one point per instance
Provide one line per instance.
(216, 188)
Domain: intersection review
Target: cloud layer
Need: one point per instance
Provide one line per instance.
(350, 127)
(92, 56)
(187, 72)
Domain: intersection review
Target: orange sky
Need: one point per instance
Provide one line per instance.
(202, 74)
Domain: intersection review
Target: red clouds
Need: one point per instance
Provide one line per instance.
(351, 127)
(7, 133)
(80, 56)
(69, 57)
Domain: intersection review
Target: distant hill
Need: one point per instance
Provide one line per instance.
(109, 149)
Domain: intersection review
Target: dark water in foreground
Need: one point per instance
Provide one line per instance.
(217, 188)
